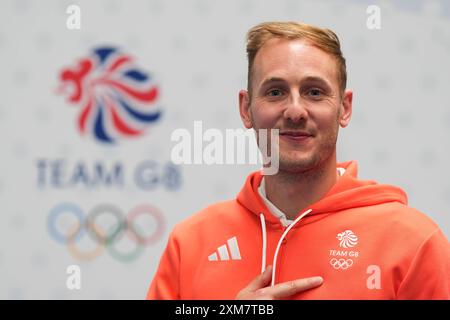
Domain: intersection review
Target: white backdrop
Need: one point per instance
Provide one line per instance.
(195, 51)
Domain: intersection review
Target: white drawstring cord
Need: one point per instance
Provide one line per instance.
(264, 242)
(281, 239)
(341, 171)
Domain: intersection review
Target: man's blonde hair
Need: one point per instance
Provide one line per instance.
(324, 39)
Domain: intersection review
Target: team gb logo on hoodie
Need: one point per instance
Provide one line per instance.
(347, 239)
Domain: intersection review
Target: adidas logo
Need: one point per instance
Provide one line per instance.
(224, 253)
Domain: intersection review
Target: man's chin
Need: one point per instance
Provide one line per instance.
(297, 165)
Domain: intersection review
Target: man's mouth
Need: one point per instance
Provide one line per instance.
(296, 135)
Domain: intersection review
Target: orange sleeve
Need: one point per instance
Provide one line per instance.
(165, 284)
(428, 276)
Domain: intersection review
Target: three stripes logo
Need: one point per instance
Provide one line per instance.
(227, 251)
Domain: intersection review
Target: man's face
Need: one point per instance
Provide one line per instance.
(295, 89)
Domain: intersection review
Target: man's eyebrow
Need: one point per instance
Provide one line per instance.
(316, 79)
(311, 79)
(271, 80)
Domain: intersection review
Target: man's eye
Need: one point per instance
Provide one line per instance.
(274, 93)
(315, 93)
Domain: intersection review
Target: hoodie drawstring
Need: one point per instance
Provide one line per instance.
(264, 242)
(264, 245)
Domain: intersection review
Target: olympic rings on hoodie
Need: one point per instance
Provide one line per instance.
(341, 263)
(105, 238)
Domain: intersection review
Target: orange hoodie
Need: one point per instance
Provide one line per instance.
(361, 237)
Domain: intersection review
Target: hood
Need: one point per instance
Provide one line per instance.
(348, 192)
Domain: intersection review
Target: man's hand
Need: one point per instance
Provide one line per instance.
(258, 288)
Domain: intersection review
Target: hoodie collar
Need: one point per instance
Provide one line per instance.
(348, 192)
(273, 209)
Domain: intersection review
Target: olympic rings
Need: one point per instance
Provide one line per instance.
(109, 238)
(341, 263)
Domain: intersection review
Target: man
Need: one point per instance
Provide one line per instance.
(313, 230)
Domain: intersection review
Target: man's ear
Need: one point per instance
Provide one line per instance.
(346, 108)
(244, 108)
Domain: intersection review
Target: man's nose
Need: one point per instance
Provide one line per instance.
(295, 110)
